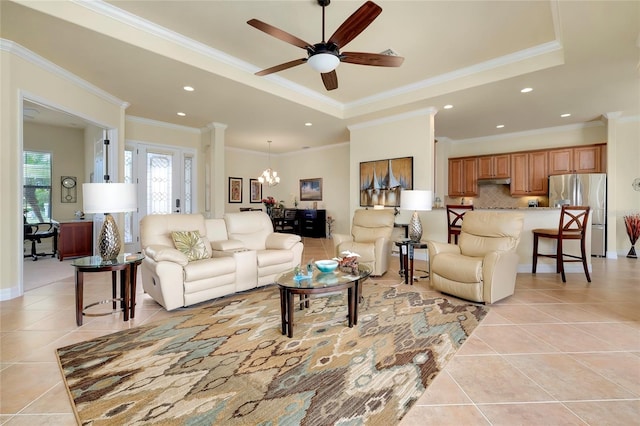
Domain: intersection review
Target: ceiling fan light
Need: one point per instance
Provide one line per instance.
(324, 62)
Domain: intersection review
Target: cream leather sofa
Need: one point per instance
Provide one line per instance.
(249, 256)
(370, 237)
(483, 266)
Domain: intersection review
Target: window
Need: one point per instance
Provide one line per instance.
(36, 195)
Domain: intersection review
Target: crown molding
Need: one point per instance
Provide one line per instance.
(215, 125)
(113, 12)
(492, 64)
(48, 66)
(314, 149)
(543, 131)
(156, 123)
(392, 118)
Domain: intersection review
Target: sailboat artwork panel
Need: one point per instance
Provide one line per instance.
(381, 181)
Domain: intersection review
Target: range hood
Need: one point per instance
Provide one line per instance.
(502, 181)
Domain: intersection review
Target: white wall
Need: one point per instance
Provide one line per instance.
(626, 159)
(331, 163)
(407, 135)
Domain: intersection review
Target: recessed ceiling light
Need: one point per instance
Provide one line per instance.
(565, 115)
(182, 114)
(448, 106)
(526, 90)
(499, 126)
(308, 124)
(188, 88)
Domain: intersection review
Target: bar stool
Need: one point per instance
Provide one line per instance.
(573, 226)
(455, 212)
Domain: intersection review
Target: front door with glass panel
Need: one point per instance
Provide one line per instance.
(165, 184)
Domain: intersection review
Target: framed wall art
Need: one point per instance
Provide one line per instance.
(381, 181)
(255, 191)
(235, 190)
(311, 189)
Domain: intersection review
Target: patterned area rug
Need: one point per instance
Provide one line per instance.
(228, 363)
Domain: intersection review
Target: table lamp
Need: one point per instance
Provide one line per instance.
(109, 198)
(416, 200)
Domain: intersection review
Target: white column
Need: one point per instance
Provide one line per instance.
(214, 171)
(612, 181)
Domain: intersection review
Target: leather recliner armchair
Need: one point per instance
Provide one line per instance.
(483, 266)
(370, 237)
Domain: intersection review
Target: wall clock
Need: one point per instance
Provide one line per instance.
(636, 184)
(68, 193)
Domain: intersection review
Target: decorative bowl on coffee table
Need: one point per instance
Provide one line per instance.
(326, 265)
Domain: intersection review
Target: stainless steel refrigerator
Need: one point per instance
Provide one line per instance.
(584, 189)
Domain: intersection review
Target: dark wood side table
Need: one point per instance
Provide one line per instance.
(319, 283)
(127, 264)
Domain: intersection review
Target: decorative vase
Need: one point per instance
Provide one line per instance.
(632, 224)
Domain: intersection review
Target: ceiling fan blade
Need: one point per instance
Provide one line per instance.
(355, 24)
(374, 59)
(279, 34)
(281, 67)
(330, 80)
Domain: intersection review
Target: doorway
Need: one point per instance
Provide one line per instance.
(50, 120)
(165, 177)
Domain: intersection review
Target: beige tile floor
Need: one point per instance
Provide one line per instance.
(551, 354)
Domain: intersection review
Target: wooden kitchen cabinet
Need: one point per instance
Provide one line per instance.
(529, 173)
(582, 159)
(494, 167)
(75, 239)
(463, 177)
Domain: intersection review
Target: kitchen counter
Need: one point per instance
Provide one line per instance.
(434, 224)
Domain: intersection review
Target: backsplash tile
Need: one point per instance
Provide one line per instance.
(497, 196)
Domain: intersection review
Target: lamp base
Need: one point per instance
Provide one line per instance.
(109, 243)
(415, 228)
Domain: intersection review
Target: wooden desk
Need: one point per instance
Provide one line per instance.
(75, 238)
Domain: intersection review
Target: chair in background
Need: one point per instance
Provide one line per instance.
(573, 226)
(370, 237)
(484, 265)
(35, 233)
(455, 213)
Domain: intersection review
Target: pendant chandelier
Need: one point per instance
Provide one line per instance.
(269, 176)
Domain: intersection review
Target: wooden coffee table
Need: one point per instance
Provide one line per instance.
(319, 283)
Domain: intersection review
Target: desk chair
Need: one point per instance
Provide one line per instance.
(573, 226)
(36, 232)
(455, 212)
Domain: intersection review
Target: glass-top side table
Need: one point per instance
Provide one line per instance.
(407, 248)
(127, 264)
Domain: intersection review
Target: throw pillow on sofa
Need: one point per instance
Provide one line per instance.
(192, 244)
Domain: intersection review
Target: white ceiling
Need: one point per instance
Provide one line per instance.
(579, 57)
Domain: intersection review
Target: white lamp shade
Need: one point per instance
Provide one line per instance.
(416, 200)
(109, 197)
(324, 62)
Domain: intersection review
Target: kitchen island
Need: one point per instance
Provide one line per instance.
(434, 224)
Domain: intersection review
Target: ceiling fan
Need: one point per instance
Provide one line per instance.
(325, 56)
